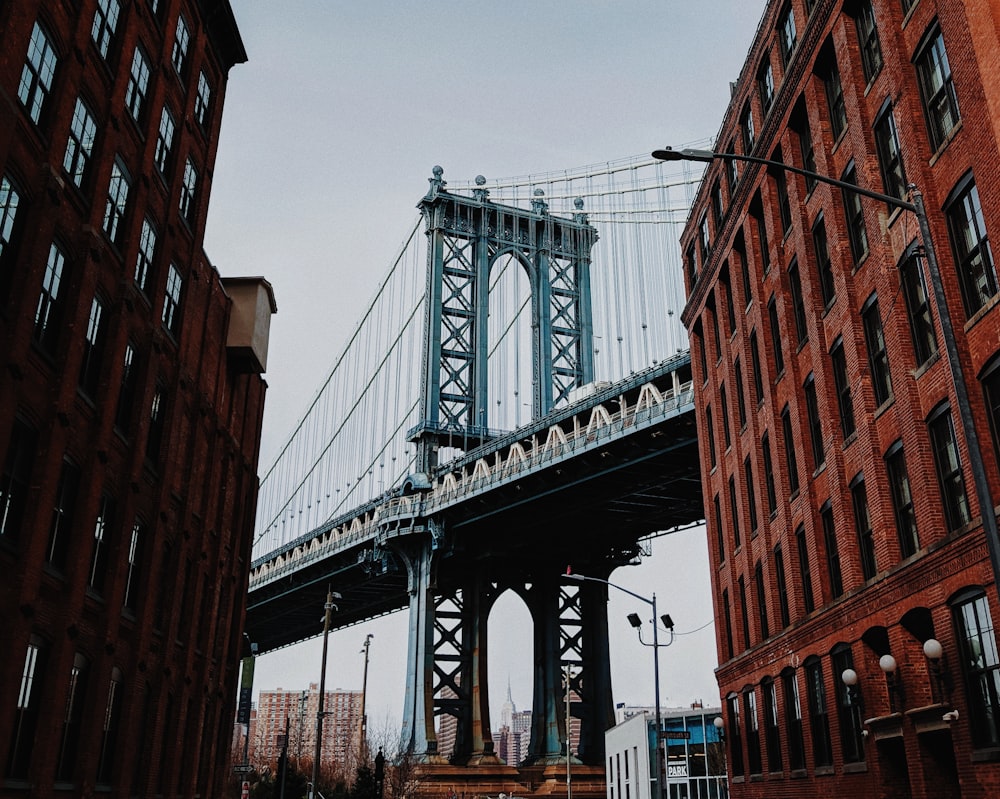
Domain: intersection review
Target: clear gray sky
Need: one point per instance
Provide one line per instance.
(329, 135)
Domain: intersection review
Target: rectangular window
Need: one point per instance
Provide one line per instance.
(99, 554)
(15, 479)
(61, 525)
(808, 151)
(126, 393)
(753, 731)
(105, 22)
(863, 524)
(157, 423)
(9, 201)
(949, 469)
(744, 612)
(144, 259)
(741, 405)
(704, 241)
(781, 191)
(93, 349)
(815, 426)
(202, 100)
(765, 450)
(765, 86)
(751, 492)
(791, 460)
(971, 246)
(739, 250)
(852, 741)
(710, 436)
(871, 50)
(805, 572)
(832, 550)
(798, 303)
(730, 300)
(37, 74)
(69, 738)
(890, 159)
(746, 129)
(758, 378)
(818, 714)
(757, 212)
(80, 143)
(26, 712)
(109, 729)
(793, 721)
(772, 732)
(117, 202)
(982, 669)
(758, 579)
(735, 736)
(720, 535)
(824, 266)
(692, 265)
(936, 89)
(782, 585)
(734, 512)
(845, 405)
(854, 215)
(171, 316)
(787, 37)
(724, 408)
(182, 39)
(918, 308)
(164, 140)
(835, 99)
(991, 391)
(132, 588)
(717, 206)
(138, 84)
(732, 168)
(878, 357)
(49, 310)
(728, 619)
(902, 500)
(189, 186)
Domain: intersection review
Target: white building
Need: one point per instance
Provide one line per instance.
(694, 755)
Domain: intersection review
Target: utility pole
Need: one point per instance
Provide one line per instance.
(363, 723)
(327, 610)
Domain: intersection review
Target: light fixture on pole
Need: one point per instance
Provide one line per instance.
(636, 622)
(363, 724)
(976, 462)
(328, 608)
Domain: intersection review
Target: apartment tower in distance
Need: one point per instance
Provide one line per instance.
(130, 402)
(850, 540)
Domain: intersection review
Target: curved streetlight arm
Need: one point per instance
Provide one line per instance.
(687, 154)
(585, 578)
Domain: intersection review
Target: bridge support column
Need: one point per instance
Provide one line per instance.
(418, 735)
(547, 710)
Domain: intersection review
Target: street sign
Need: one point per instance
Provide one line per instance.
(245, 793)
(677, 734)
(242, 768)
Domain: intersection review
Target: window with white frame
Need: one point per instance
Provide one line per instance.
(117, 202)
(182, 39)
(189, 187)
(105, 23)
(80, 143)
(138, 84)
(144, 259)
(171, 316)
(38, 72)
(164, 140)
(50, 300)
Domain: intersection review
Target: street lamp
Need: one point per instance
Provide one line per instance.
(363, 735)
(636, 622)
(976, 462)
(328, 607)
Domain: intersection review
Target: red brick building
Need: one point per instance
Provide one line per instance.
(130, 402)
(845, 532)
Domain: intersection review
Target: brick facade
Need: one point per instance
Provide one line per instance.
(839, 530)
(130, 413)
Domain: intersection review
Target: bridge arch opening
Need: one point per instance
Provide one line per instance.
(510, 662)
(511, 350)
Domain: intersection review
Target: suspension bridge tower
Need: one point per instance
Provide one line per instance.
(455, 578)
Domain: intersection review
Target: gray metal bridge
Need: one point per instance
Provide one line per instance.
(600, 467)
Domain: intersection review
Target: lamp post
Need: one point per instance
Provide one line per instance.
(636, 622)
(327, 610)
(363, 733)
(976, 462)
